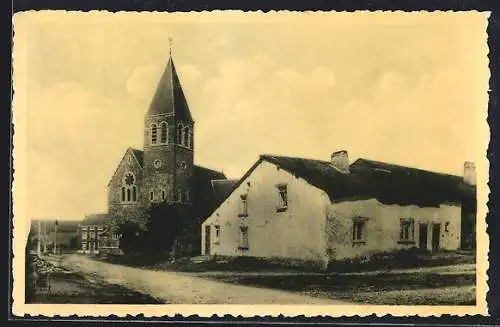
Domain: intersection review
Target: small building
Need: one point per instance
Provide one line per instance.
(95, 236)
(314, 210)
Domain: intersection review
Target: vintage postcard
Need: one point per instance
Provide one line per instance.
(246, 163)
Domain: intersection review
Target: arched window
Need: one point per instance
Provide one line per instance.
(134, 193)
(185, 136)
(129, 188)
(163, 133)
(163, 194)
(179, 134)
(154, 133)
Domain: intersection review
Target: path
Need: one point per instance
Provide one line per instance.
(180, 288)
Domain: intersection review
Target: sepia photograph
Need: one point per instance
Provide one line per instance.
(237, 158)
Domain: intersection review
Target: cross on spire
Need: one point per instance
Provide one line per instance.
(170, 41)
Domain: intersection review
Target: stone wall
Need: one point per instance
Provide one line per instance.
(119, 211)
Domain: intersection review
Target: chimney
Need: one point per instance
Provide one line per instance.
(340, 160)
(470, 173)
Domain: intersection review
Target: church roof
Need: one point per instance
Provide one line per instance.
(169, 97)
(222, 188)
(139, 155)
(388, 183)
(204, 197)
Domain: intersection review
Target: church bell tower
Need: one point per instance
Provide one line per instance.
(168, 142)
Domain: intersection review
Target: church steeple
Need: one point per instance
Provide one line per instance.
(168, 142)
(169, 97)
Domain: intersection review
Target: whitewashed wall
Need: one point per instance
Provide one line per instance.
(383, 227)
(298, 233)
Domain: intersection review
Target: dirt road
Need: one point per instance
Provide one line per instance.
(179, 288)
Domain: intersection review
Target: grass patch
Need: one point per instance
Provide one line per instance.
(69, 287)
(412, 258)
(465, 295)
(381, 288)
(402, 259)
(75, 289)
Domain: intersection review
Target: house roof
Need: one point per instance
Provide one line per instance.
(169, 97)
(388, 183)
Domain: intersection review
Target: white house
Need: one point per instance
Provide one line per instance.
(315, 210)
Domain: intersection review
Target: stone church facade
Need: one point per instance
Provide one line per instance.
(164, 170)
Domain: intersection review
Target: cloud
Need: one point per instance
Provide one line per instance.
(189, 74)
(74, 143)
(254, 102)
(142, 81)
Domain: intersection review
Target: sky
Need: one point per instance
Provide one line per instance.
(405, 88)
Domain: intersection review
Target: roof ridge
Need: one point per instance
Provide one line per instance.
(405, 167)
(290, 157)
(206, 168)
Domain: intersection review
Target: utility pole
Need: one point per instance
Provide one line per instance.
(44, 238)
(55, 237)
(39, 241)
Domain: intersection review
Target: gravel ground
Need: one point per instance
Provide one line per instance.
(179, 288)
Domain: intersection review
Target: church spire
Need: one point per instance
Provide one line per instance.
(169, 97)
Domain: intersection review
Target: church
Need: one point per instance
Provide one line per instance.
(164, 170)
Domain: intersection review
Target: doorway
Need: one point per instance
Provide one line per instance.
(422, 239)
(207, 240)
(436, 233)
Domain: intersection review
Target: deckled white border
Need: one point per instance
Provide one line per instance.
(21, 221)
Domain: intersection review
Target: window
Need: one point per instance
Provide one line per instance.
(84, 235)
(282, 198)
(154, 133)
(163, 194)
(186, 195)
(243, 238)
(151, 195)
(359, 231)
(406, 232)
(179, 134)
(134, 193)
(185, 136)
(243, 206)
(129, 188)
(180, 195)
(157, 163)
(217, 231)
(163, 133)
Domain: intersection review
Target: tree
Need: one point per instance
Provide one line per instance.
(132, 237)
(73, 242)
(166, 223)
